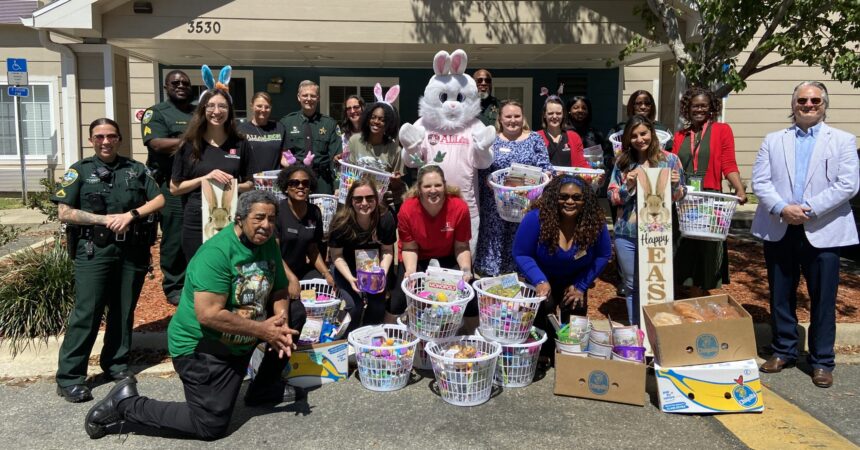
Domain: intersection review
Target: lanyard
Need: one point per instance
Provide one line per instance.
(696, 146)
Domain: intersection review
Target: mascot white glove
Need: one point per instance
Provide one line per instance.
(411, 136)
(484, 138)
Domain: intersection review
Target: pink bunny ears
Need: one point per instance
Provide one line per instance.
(453, 64)
(544, 92)
(390, 96)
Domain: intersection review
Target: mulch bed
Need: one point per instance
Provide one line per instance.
(748, 275)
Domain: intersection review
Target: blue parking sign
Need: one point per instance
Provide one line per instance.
(16, 65)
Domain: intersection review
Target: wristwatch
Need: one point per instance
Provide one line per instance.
(134, 214)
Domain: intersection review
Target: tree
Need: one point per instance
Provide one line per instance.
(815, 32)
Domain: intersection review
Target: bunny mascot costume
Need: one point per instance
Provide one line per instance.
(448, 133)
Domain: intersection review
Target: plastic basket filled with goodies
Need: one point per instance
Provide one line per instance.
(350, 172)
(507, 308)
(517, 363)
(321, 301)
(594, 177)
(421, 360)
(327, 205)
(268, 181)
(435, 312)
(706, 215)
(464, 368)
(384, 356)
(515, 189)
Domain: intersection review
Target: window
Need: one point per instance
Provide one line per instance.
(36, 123)
(519, 89)
(334, 90)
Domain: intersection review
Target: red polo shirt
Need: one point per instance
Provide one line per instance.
(435, 236)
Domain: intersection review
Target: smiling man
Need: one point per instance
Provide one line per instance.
(310, 131)
(489, 104)
(804, 177)
(235, 295)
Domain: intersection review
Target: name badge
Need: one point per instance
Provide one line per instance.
(292, 230)
(696, 183)
(504, 150)
(580, 254)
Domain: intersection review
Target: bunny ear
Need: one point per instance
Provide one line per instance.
(224, 75)
(377, 92)
(458, 62)
(644, 181)
(208, 78)
(441, 63)
(227, 194)
(662, 181)
(544, 91)
(392, 94)
(208, 193)
(560, 90)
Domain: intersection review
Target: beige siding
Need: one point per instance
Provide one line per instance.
(91, 82)
(142, 83)
(121, 101)
(639, 76)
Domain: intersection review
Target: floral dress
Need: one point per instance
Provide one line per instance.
(496, 235)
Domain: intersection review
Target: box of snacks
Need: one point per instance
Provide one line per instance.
(703, 330)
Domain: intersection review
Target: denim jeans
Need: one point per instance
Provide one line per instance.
(625, 250)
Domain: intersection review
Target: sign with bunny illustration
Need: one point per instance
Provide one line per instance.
(219, 206)
(654, 221)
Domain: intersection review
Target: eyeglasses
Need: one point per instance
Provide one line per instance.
(106, 137)
(815, 101)
(296, 183)
(578, 197)
(359, 199)
(176, 83)
(353, 108)
(213, 106)
(483, 80)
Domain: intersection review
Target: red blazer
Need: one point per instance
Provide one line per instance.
(577, 157)
(722, 161)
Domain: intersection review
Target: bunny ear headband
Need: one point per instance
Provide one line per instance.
(222, 83)
(390, 96)
(544, 92)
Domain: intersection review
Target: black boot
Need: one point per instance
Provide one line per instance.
(105, 413)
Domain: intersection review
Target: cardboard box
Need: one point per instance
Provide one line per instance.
(729, 387)
(701, 343)
(600, 379)
(311, 365)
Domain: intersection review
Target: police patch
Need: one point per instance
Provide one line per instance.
(69, 178)
(147, 116)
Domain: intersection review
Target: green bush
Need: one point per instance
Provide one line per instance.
(37, 294)
(42, 200)
(8, 234)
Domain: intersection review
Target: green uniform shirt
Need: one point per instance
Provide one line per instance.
(489, 111)
(126, 186)
(224, 265)
(163, 120)
(325, 139)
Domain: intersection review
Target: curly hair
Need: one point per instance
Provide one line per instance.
(715, 105)
(287, 173)
(589, 222)
(345, 224)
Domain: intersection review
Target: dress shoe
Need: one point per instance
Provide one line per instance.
(822, 378)
(105, 413)
(775, 364)
(122, 375)
(76, 393)
(273, 394)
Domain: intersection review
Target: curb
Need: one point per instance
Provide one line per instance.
(36, 246)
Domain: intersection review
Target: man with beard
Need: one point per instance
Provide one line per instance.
(489, 104)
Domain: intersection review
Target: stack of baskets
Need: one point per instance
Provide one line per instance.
(384, 356)
(508, 322)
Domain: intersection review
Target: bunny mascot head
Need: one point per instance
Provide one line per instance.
(449, 133)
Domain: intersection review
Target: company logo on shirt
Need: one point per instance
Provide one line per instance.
(447, 227)
(434, 138)
(232, 154)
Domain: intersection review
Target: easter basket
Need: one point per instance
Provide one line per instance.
(517, 363)
(328, 206)
(349, 173)
(706, 215)
(384, 356)
(267, 180)
(326, 303)
(431, 317)
(507, 318)
(590, 176)
(421, 361)
(513, 202)
(464, 368)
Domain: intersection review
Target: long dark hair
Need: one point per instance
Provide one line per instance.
(344, 224)
(631, 104)
(345, 125)
(589, 222)
(629, 154)
(198, 125)
(573, 101)
(392, 122)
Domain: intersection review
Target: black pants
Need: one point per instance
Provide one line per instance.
(211, 379)
(397, 306)
(364, 309)
(549, 306)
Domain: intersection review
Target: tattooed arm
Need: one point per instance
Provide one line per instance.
(67, 214)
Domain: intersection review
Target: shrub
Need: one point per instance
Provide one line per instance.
(8, 234)
(37, 294)
(42, 200)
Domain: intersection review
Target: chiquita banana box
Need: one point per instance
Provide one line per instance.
(729, 387)
(318, 364)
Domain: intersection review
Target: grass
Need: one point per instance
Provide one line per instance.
(10, 203)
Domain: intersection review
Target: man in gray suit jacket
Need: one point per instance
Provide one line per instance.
(804, 177)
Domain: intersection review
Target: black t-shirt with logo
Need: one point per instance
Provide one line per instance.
(267, 142)
(384, 234)
(296, 235)
(230, 157)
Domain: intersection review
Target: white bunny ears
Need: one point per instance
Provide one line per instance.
(450, 64)
(223, 82)
(390, 96)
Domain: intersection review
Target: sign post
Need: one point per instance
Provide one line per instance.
(16, 73)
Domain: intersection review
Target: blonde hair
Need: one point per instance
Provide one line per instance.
(453, 191)
(519, 105)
